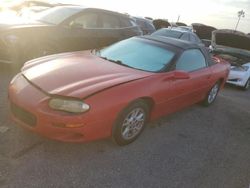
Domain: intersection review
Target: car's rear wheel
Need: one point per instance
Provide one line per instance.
(130, 123)
(247, 85)
(212, 94)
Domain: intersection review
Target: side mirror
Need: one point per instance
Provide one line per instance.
(179, 75)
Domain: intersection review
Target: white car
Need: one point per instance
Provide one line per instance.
(234, 47)
(240, 76)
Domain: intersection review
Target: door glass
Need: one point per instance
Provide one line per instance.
(110, 21)
(192, 39)
(87, 21)
(125, 22)
(191, 60)
(185, 36)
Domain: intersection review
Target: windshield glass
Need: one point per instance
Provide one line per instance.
(138, 54)
(56, 15)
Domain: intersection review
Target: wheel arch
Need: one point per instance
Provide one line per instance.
(147, 100)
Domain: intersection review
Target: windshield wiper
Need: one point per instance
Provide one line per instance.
(119, 62)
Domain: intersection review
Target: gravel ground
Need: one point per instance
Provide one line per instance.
(197, 147)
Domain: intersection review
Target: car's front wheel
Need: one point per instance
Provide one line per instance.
(130, 123)
(212, 94)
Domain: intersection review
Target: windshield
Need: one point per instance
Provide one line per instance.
(138, 54)
(56, 15)
(168, 33)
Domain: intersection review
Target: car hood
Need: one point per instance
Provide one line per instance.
(77, 74)
(230, 41)
(234, 43)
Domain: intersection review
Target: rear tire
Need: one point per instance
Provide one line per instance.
(130, 123)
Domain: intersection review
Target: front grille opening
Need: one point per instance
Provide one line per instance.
(23, 115)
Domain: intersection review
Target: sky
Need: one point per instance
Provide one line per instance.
(221, 14)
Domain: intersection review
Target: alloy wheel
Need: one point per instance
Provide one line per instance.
(213, 93)
(133, 123)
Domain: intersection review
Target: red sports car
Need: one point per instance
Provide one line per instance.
(113, 92)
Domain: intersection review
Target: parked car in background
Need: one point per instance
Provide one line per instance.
(234, 46)
(178, 34)
(177, 24)
(203, 31)
(180, 24)
(161, 74)
(161, 23)
(146, 25)
(206, 42)
(25, 8)
(187, 28)
(20, 5)
(63, 29)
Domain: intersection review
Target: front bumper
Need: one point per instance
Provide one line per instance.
(29, 108)
(237, 80)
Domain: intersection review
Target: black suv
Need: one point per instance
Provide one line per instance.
(63, 29)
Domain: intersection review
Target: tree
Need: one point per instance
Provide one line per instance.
(240, 14)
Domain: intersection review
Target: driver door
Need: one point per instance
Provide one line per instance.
(192, 90)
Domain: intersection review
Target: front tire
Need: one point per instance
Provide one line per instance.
(212, 94)
(130, 123)
(247, 85)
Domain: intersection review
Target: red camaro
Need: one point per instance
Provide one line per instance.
(113, 92)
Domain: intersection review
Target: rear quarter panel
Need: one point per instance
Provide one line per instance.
(220, 71)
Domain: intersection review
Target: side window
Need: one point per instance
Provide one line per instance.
(191, 60)
(185, 36)
(110, 21)
(125, 22)
(194, 38)
(87, 21)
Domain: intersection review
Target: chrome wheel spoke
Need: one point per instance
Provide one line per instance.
(133, 123)
(213, 93)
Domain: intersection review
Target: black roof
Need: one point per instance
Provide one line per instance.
(81, 8)
(172, 41)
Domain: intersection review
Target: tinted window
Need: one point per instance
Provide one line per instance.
(194, 38)
(56, 15)
(126, 22)
(150, 26)
(168, 33)
(110, 21)
(185, 36)
(86, 21)
(140, 23)
(191, 60)
(138, 54)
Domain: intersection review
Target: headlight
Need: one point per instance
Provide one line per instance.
(68, 105)
(11, 39)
